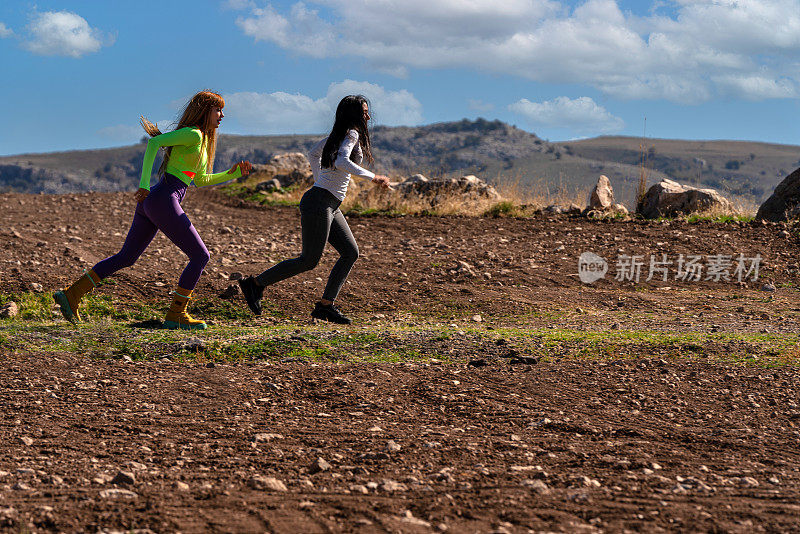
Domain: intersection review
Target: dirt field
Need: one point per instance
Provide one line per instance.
(498, 396)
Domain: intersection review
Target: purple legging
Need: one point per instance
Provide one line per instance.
(161, 210)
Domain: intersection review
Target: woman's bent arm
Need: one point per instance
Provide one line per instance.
(184, 136)
(343, 162)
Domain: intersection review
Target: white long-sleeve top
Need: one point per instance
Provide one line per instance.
(337, 179)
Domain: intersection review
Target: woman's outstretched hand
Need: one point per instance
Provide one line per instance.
(381, 180)
(141, 194)
(244, 165)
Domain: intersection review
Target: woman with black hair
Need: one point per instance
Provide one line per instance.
(333, 161)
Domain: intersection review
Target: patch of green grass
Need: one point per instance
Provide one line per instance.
(222, 310)
(33, 306)
(505, 208)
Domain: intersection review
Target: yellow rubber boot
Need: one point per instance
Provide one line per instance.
(70, 299)
(177, 316)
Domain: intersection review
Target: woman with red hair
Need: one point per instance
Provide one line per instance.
(188, 158)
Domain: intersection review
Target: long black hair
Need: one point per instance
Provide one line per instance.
(349, 116)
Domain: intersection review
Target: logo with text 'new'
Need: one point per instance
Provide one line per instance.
(591, 267)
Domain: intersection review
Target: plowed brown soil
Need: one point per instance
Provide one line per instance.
(647, 443)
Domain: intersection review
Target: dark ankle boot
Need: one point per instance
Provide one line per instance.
(329, 313)
(252, 293)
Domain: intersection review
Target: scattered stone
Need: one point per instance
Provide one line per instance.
(26, 440)
(36, 287)
(588, 482)
(117, 493)
(262, 437)
(409, 518)
(226, 230)
(181, 486)
(694, 483)
(393, 446)
(318, 466)
(194, 344)
(9, 310)
(391, 485)
(269, 186)
(263, 483)
(537, 486)
(477, 318)
(235, 276)
(359, 488)
(669, 198)
(124, 478)
(748, 482)
(229, 292)
(769, 286)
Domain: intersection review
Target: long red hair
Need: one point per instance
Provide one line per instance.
(194, 115)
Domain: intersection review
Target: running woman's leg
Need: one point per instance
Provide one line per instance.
(180, 230)
(141, 233)
(173, 221)
(315, 223)
(341, 238)
(166, 213)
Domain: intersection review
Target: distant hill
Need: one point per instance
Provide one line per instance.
(493, 150)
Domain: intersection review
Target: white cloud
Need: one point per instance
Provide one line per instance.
(581, 114)
(740, 48)
(5, 31)
(279, 112)
(61, 33)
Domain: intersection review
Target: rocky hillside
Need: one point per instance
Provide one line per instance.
(493, 150)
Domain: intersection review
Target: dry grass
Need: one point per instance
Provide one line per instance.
(740, 210)
(520, 198)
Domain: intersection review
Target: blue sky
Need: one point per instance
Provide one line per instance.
(77, 75)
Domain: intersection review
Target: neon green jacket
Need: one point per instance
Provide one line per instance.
(188, 160)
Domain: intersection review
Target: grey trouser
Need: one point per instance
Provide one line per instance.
(322, 221)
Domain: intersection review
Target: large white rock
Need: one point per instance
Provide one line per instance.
(288, 168)
(669, 198)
